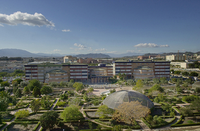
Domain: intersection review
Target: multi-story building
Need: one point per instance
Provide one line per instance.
(53, 72)
(142, 70)
(176, 57)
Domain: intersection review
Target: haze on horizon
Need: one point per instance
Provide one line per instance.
(114, 26)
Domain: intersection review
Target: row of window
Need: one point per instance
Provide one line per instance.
(162, 69)
(162, 72)
(80, 70)
(118, 67)
(143, 74)
(78, 66)
(58, 74)
(123, 73)
(78, 73)
(143, 70)
(123, 63)
(31, 71)
(161, 63)
(162, 66)
(78, 77)
(58, 78)
(122, 70)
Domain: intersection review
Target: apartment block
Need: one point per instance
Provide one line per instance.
(142, 70)
(50, 72)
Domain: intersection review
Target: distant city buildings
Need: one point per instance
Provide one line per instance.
(176, 57)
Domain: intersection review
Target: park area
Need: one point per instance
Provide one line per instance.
(77, 106)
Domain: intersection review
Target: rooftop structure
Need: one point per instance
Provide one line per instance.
(117, 98)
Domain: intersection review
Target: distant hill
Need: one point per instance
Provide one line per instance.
(93, 55)
(16, 53)
(24, 53)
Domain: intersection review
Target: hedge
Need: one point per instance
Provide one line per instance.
(177, 121)
(146, 123)
(36, 126)
(18, 108)
(97, 120)
(191, 124)
(7, 120)
(176, 109)
(3, 125)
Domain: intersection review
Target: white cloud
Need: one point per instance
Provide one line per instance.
(18, 17)
(130, 51)
(164, 45)
(66, 30)
(150, 45)
(80, 46)
(100, 50)
(56, 50)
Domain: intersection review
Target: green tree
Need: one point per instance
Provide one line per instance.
(4, 101)
(35, 105)
(5, 83)
(54, 84)
(22, 114)
(18, 93)
(49, 119)
(71, 81)
(185, 73)
(34, 83)
(63, 84)
(36, 92)
(196, 105)
(163, 80)
(156, 87)
(156, 81)
(46, 90)
(26, 90)
(177, 72)
(71, 113)
(130, 82)
(45, 102)
(117, 128)
(75, 101)
(104, 112)
(193, 74)
(18, 80)
(78, 86)
(64, 97)
(139, 84)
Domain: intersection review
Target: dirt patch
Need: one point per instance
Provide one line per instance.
(36, 116)
(19, 127)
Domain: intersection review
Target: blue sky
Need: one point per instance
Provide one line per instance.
(100, 26)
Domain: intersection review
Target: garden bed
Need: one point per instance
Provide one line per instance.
(20, 127)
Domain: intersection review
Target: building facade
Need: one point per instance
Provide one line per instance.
(52, 72)
(176, 57)
(142, 70)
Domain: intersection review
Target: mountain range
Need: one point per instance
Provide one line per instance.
(24, 53)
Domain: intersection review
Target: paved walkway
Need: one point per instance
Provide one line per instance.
(13, 112)
(54, 104)
(81, 110)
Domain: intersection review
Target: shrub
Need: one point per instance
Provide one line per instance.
(22, 114)
(61, 103)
